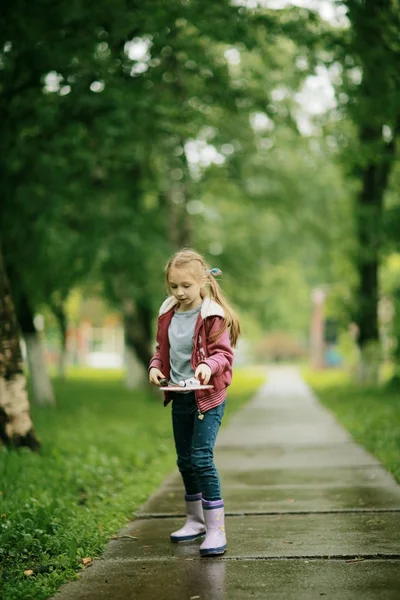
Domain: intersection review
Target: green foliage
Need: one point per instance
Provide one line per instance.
(106, 182)
(280, 231)
(99, 171)
(104, 451)
(370, 414)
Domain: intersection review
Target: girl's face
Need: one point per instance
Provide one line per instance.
(185, 287)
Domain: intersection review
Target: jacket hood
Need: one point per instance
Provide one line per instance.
(209, 308)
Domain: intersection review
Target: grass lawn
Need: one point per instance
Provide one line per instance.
(104, 451)
(370, 414)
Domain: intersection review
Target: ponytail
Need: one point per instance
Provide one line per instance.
(231, 320)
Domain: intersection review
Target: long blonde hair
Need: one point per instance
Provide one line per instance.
(200, 270)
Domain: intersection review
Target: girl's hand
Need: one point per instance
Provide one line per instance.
(203, 373)
(155, 375)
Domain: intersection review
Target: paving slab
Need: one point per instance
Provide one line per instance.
(261, 457)
(251, 415)
(305, 477)
(245, 500)
(285, 391)
(291, 434)
(219, 579)
(340, 534)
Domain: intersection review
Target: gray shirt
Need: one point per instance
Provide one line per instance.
(180, 336)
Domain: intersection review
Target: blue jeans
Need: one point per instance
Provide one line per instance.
(194, 443)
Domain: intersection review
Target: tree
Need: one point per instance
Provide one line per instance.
(373, 88)
(96, 154)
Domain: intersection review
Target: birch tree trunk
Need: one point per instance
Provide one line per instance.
(16, 428)
(135, 373)
(42, 389)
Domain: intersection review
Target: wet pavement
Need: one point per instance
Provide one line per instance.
(309, 514)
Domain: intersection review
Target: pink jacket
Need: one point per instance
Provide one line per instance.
(218, 355)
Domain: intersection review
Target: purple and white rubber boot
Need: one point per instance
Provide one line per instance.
(215, 542)
(194, 527)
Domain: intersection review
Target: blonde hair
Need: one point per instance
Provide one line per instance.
(195, 262)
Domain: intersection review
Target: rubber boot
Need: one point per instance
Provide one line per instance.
(215, 542)
(194, 527)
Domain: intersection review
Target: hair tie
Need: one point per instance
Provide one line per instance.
(214, 272)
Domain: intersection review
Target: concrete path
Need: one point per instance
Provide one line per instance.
(310, 514)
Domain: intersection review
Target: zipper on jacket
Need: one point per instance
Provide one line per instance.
(196, 337)
(200, 415)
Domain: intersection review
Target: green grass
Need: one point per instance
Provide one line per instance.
(370, 414)
(104, 451)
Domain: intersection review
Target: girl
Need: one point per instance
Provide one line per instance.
(196, 332)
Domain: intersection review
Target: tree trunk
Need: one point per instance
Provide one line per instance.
(135, 374)
(16, 428)
(180, 228)
(370, 207)
(137, 330)
(41, 385)
(369, 213)
(395, 380)
(59, 313)
(180, 233)
(42, 389)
